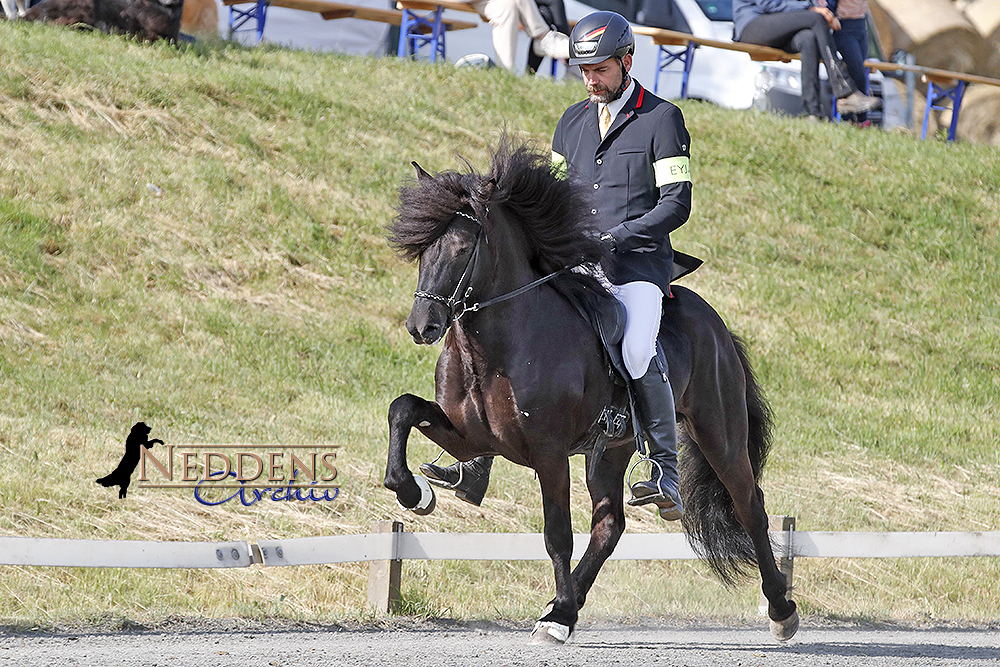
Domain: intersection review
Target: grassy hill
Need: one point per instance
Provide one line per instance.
(194, 238)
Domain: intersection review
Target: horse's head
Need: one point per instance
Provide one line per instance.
(535, 225)
(441, 231)
(444, 279)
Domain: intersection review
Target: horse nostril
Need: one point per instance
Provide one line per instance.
(431, 334)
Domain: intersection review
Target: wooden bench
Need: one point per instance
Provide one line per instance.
(942, 85)
(330, 11)
(666, 56)
(424, 25)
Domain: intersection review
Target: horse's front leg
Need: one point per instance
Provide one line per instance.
(608, 519)
(405, 413)
(557, 623)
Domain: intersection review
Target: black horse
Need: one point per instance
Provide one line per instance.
(522, 374)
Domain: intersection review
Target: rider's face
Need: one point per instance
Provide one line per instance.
(604, 79)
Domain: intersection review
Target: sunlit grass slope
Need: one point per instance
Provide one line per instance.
(194, 238)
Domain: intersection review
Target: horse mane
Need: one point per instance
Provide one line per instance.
(550, 211)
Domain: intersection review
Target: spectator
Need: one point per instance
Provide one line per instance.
(554, 13)
(796, 27)
(506, 17)
(852, 42)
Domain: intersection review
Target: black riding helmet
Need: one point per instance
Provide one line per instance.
(600, 36)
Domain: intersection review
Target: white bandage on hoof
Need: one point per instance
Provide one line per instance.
(550, 632)
(427, 501)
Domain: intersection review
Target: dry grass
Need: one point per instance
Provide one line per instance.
(193, 238)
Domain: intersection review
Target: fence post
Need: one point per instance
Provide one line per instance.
(786, 561)
(384, 575)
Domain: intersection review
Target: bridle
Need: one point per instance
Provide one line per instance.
(457, 306)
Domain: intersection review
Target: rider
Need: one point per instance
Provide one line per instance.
(632, 150)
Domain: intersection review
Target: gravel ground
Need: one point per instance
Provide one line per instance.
(224, 643)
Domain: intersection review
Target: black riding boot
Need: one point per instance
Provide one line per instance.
(469, 479)
(655, 403)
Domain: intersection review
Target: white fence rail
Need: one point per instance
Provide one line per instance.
(388, 546)
(122, 553)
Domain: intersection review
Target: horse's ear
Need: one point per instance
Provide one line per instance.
(421, 174)
(488, 188)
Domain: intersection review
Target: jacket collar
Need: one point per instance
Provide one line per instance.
(626, 113)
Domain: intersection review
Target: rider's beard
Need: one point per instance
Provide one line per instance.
(601, 94)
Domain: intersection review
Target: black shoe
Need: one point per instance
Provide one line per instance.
(666, 499)
(655, 401)
(469, 480)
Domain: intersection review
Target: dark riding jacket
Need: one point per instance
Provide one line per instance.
(639, 179)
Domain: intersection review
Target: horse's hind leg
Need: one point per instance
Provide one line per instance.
(736, 474)
(405, 413)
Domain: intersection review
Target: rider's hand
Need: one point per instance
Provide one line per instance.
(608, 241)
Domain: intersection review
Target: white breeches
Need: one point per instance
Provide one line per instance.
(506, 18)
(643, 307)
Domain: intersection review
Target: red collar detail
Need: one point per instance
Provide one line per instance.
(638, 102)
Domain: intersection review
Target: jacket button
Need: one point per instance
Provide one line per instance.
(596, 186)
(600, 161)
(593, 211)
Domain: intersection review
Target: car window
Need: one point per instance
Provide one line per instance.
(717, 10)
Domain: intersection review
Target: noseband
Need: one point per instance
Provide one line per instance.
(457, 306)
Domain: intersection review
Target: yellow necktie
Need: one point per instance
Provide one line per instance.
(605, 121)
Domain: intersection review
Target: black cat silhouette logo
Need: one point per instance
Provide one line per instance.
(122, 475)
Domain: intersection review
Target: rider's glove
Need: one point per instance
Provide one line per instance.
(608, 241)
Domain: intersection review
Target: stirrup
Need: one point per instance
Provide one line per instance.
(666, 507)
(653, 497)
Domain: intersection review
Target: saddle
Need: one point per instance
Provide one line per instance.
(607, 316)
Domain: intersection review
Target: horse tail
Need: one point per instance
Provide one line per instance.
(709, 517)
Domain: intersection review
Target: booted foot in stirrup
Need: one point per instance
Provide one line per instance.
(655, 401)
(469, 480)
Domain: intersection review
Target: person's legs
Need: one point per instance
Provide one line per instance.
(554, 14)
(505, 22)
(779, 29)
(805, 44)
(653, 395)
(643, 305)
(852, 43)
(531, 18)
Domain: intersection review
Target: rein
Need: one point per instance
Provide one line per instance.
(457, 306)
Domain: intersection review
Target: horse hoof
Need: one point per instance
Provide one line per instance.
(549, 633)
(427, 502)
(786, 629)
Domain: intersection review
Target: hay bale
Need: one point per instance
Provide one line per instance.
(200, 18)
(985, 18)
(979, 119)
(934, 31)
